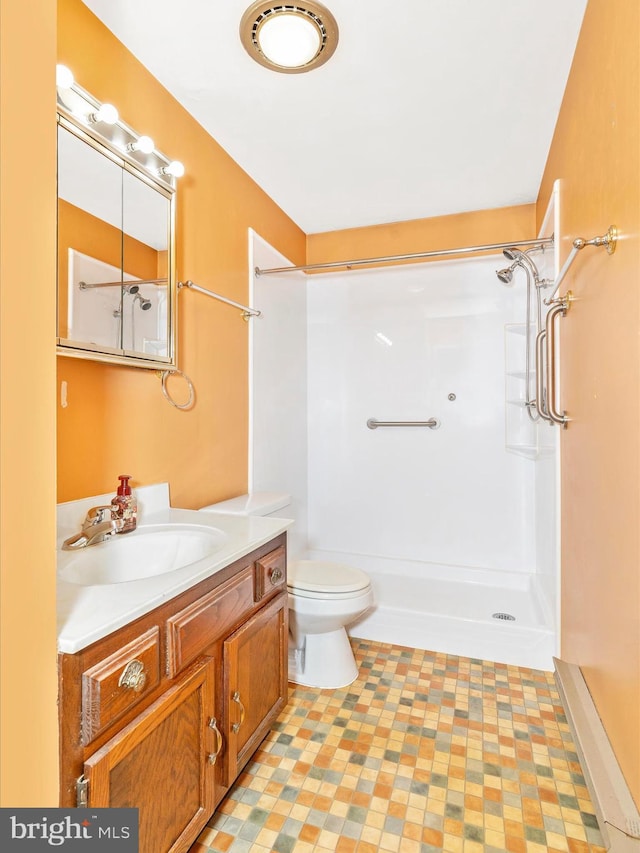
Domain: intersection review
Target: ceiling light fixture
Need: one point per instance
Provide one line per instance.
(289, 38)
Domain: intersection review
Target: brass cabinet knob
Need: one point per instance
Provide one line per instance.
(275, 576)
(133, 676)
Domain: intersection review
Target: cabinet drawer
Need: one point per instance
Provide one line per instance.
(191, 630)
(271, 573)
(118, 682)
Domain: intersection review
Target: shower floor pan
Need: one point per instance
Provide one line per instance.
(496, 616)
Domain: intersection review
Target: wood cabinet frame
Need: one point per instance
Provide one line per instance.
(204, 644)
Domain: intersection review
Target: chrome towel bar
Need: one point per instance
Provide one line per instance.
(432, 423)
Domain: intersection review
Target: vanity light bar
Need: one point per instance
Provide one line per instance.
(103, 120)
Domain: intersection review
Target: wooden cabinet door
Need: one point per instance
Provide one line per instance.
(255, 668)
(160, 763)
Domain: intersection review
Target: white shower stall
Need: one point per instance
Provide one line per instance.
(456, 526)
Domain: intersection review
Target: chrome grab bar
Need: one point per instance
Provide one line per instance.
(560, 307)
(540, 399)
(432, 423)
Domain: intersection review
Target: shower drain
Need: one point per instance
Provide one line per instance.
(506, 617)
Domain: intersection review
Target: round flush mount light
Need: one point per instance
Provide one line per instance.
(289, 38)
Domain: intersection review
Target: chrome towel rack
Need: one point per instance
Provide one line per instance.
(432, 423)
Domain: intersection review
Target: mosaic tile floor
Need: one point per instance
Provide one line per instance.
(424, 752)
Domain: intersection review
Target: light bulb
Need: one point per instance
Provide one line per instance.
(107, 113)
(145, 144)
(64, 77)
(175, 169)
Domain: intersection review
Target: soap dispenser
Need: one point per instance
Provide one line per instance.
(124, 505)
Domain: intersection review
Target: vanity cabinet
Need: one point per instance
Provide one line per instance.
(163, 714)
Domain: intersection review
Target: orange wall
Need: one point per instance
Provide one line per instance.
(117, 418)
(28, 688)
(596, 154)
(423, 235)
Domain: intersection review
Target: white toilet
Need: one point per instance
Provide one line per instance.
(323, 599)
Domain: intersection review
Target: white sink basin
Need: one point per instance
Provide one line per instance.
(147, 552)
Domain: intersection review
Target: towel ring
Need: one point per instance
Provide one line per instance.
(164, 375)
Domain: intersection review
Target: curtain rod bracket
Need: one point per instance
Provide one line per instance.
(610, 240)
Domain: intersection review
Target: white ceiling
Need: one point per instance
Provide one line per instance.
(428, 107)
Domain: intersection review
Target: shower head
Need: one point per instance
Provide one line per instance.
(506, 275)
(521, 259)
(145, 304)
(131, 288)
(513, 254)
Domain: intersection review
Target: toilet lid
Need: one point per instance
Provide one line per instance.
(320, 576)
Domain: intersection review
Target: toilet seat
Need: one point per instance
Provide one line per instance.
(320, 579)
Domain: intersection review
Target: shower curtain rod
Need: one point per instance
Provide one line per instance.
(247, 312)
(542, 241)
(87, 285)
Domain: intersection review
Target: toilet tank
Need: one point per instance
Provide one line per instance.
(258, 503)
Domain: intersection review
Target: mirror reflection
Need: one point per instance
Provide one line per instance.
(114, 239)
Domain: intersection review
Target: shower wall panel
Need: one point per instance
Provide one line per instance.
(278, 387)
(399, 344)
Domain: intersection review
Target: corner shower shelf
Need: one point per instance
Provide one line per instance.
(521, 433)
(523, 436)
(531, 452)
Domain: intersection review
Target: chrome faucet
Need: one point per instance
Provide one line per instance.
(99, 525)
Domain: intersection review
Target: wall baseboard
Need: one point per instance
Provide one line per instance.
(618, 817)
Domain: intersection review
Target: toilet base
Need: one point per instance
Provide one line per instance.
(326, 661)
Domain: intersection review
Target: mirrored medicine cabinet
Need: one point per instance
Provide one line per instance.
(116, 258)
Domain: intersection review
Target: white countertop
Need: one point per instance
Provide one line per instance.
(88, 613)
